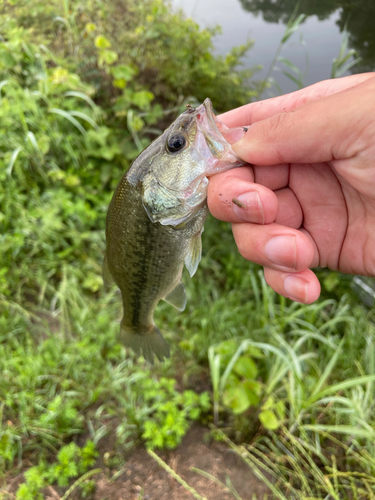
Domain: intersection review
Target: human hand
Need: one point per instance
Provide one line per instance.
(308, 199)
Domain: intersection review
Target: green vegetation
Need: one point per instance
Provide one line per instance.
(71, 462)
(84, 86)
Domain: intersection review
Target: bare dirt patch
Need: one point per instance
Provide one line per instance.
(144, 479)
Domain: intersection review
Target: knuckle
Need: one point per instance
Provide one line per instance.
(274, 133)
(276, 125)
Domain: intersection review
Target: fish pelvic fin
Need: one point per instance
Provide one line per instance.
(146, 342)
(177, 297)
(194, 253)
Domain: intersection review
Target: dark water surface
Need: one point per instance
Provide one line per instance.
(312, 48)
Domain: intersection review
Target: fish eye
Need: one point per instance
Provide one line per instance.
(176, 142)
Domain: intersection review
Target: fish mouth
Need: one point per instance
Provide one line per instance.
(216, 125)
(211, 128)
(205, 118)
(212, 120)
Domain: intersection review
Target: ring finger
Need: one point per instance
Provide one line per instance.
(274, 246)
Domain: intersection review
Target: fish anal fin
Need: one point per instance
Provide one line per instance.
(177, 297)
(145, 342)
(194, 253)
(106, 273)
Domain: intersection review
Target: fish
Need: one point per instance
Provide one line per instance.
(155, 221)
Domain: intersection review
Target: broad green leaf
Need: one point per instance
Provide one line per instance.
(245, 367)
(280, 409)
(268, 403)
(254, 352)
(123, 72)
(120, 83)
(236, 399)
(107, 57)
(253, 390)
(269, 419)
(90, 27)
(101, 42)
(227, 347)
(142, 99)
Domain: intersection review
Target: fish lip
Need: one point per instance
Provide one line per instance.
(207, 103)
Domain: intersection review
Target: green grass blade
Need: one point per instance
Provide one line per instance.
(290, 65)
(12, 161)
(175, 476)
(347, 384)
(341, 429)
(69, 117)
(292, 26)
(217, 481)
(85, 117)
(31, 138)
(81, 95)
(328, 370)
(295, 80)
(2, 84)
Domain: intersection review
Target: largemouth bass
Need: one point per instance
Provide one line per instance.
(155, 221)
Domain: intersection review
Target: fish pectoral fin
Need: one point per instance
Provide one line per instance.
(194, 254)
(106, 273)
(177, 297)
(148, 342)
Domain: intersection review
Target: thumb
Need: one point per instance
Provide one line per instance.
(320, 131)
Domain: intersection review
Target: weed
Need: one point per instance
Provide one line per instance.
(72, 461)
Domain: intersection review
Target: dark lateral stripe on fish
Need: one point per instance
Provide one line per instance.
(142, 276)
(141, 280)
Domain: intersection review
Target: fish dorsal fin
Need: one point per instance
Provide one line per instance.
(106, 273)
(177, 297)
(194, 253)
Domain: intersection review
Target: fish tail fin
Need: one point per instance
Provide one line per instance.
(146, 342)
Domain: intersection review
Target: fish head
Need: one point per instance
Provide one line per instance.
(182, 159)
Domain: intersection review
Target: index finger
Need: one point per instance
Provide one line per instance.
(256, 111)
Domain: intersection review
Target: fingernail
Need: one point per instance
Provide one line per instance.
(296, 288)
(248, 207)
(233, 135)
(282, 251)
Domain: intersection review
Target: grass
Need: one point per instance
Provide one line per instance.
(65, 375)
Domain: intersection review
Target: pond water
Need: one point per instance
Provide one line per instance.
(312, 48)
